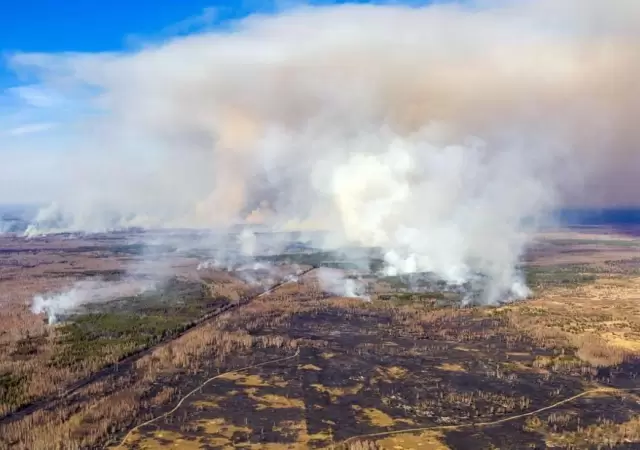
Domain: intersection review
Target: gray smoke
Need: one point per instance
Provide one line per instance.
(441, 134)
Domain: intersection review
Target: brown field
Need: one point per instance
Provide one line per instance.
(297, 369)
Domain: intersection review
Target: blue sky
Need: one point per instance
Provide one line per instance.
(86, 26)
(36, 121)
(58, 26)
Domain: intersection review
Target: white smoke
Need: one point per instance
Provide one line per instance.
(441, 133)
(247, 240)
(256, 273)
(207, 265)
(56, 305)
(336, 282)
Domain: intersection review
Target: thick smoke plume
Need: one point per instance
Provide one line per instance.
(441, 134)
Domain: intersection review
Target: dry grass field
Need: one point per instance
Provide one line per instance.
(297, 368)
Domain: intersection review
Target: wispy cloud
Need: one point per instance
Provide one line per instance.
(28, 109)
(31, 128)
(34, 96)
(205, 19)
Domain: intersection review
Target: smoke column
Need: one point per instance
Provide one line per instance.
(441, 133)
